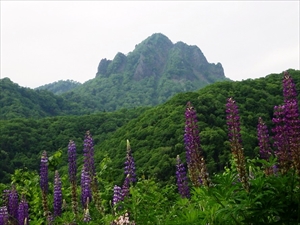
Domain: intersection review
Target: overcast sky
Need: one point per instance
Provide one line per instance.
(47, 41)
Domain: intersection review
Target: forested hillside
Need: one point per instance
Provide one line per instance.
(20, 102)
(59, 87)
(155, 133)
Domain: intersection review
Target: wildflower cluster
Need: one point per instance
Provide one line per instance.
(14, 211)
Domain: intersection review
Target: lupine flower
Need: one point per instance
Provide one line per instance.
(89, 164)
(234, 133)
(292, 118)
(72, 174)
(126, 187)
(23, 215)
(263, 140)
(44, 181)
(3, 215)
(281, 138)
(130, 165)
(88, 151)
(72, 161)
(86, 193)
(264, 143)
(194, 153)
(13, 203)
(57, 203)
(44, 172)
(117, 195)
(182, 183)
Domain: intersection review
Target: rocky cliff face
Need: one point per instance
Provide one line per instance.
(157, 56)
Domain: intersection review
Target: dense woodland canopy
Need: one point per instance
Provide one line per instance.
(155, 133)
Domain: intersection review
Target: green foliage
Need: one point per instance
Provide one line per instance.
(59, 87)
(270, 199)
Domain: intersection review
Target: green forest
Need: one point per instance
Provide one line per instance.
(157, 141)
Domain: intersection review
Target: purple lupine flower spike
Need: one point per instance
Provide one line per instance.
(88, 150)
(129, 171)
(292, 119)
(13, 203)
(23, 215)
(117, 195)
(130, 165)
(194, 153)
(57, 203)
(44, 172)
(72, 174)
(264, 143)
(4, 216)
(281, 139)
(72, 161)
(89, 165)
(182, 183)
(263, 140)
(86, 193)
(44, 181)
(234, 133)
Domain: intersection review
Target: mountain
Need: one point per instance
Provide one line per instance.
(155, 133)
(149, 75)
(59, 87)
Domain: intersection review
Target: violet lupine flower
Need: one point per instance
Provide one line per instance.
(72, 162)
(281, 138)
(263, 140)
(88, 151)
(292, 118)
(129, 172)
(13, 203)
(57, 203)
(182, 182)
(44, 172)
(117, 195)
(130, 165)
(89, 164)
(194, 153)
(126, 187)
(44, 181)
(86, 193)
(234, 134)
(72, 174)
(23, 215)
(264, 143)
(4, 216)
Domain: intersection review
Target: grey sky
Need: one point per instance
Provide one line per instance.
(46, 41)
